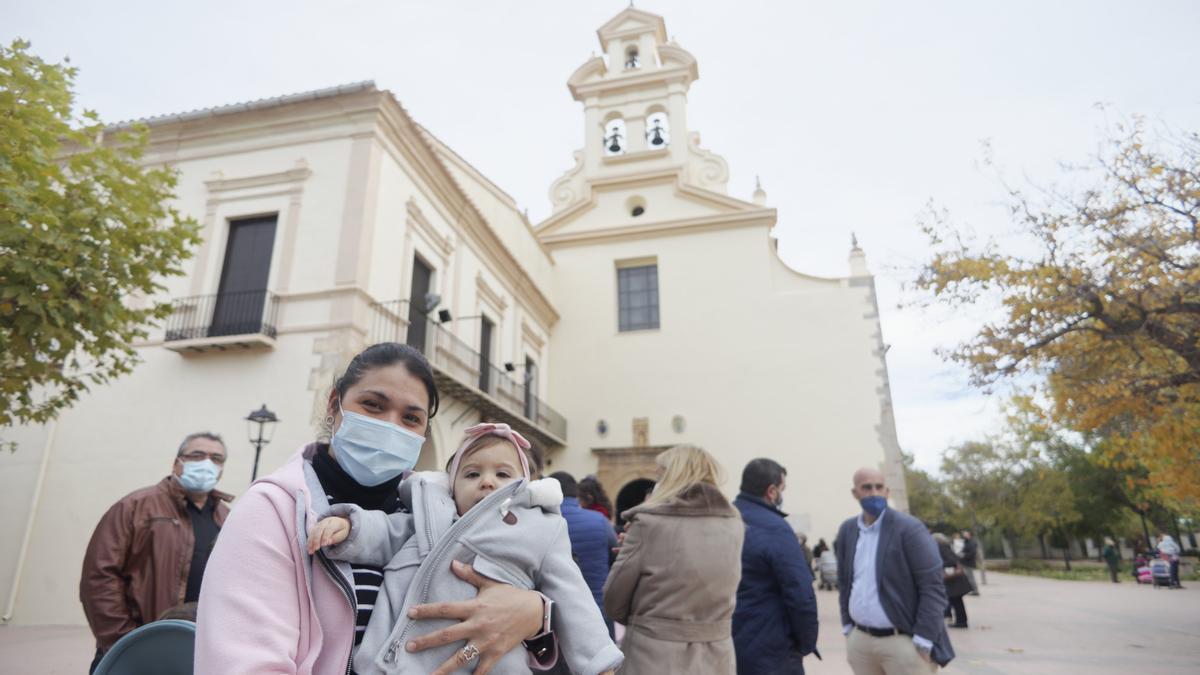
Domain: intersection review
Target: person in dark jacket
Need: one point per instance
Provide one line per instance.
(1111, 558)
(955, 579)
(970, 558)
(820, 548)
(592, 537)
(775, 622)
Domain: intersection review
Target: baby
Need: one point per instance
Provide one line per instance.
(485, 511)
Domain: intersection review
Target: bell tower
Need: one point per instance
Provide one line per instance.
(634, 97)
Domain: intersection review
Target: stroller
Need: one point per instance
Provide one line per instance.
(1160, 571)
(828, 568)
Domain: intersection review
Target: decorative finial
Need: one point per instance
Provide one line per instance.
(853, 241)
(760, 195)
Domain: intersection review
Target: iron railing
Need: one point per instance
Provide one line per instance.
(221, 314)
(448, 353)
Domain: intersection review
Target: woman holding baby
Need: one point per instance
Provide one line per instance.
(267, 605)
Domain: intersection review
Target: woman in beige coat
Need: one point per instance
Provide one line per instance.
(674, 584)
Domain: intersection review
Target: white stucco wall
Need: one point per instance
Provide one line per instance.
(757, 368)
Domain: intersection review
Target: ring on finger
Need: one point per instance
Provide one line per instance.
(466, 654)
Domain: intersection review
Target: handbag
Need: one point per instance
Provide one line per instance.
(949, 573)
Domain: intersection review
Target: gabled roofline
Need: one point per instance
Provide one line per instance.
(609, 31)
(558, 220)
(448, 153)
(247, 106)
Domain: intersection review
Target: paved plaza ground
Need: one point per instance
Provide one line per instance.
(1019, 626)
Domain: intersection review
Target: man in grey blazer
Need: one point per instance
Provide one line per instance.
(890, 587)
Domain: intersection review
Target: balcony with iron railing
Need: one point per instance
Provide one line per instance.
(221, 321)
(462, 372)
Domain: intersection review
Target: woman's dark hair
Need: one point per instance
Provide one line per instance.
(387, 354)
(591, 491)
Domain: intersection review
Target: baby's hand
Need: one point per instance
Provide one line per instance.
(330, 531)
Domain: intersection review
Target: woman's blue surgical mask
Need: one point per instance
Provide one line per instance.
(372, 451)
(873, 505)
(199, 476)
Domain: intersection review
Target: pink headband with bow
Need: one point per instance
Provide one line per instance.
(490, 429)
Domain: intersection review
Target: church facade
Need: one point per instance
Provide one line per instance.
(649, 309)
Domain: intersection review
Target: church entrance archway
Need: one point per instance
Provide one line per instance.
(633, 493)
(620, 468)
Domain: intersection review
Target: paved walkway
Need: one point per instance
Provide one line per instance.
(1019, 626)
(1032, 626)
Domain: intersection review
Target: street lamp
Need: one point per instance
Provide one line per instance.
(265, 419)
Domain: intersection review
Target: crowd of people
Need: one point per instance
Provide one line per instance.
(344, 560)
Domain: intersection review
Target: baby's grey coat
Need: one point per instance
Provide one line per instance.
(415, 550)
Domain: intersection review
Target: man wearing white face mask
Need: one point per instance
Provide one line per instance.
(149, 551)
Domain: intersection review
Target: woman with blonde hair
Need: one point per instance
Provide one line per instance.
(674, 584)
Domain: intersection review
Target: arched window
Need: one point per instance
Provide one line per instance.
(658, 131)
(614, 137)
(631, 58)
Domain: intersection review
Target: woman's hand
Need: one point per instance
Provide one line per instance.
(329, 531)
(495, 622)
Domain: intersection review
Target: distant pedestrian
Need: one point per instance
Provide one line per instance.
(808, 559)
(675, 580)
(775, 623)
(970, 558)
(1170, 550)
(820, 548)
(149, 551)
(889, 587)
(1111, 558)
(592, 538)
(593, 497)
(955, 580)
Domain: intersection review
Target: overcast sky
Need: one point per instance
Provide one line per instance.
(855, 114)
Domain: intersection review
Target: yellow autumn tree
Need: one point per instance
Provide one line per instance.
(1100, 303)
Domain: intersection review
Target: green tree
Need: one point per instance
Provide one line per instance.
(980, 477)
(86, 236)
(929, 499)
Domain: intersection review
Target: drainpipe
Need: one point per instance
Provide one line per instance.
(33, 509)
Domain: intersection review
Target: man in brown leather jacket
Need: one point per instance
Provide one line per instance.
(148, 553)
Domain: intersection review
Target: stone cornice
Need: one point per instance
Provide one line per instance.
(298, 174)
(639, 80)
(532, 336)
(417, 218)
(720, 221)
(490, 295)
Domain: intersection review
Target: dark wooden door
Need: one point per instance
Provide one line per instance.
(417, 312)
(243, 290)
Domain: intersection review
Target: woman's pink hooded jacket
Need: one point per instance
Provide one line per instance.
(266, 606)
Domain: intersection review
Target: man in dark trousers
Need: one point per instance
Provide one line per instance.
(969, 557)
(775, 622)
(889, 587)
(149, 551)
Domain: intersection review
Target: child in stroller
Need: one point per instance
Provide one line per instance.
(1141, 569)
